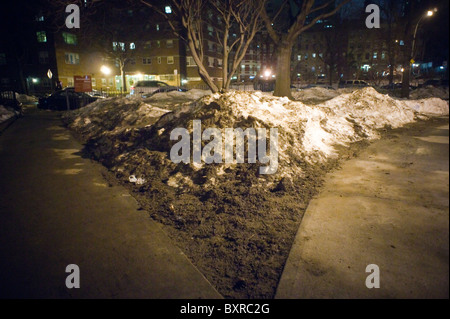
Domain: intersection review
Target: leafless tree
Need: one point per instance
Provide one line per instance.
(285, 38)
(240, 17)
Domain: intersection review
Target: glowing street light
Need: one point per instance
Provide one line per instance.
(267, 73)
(429, 14)
(105, 70)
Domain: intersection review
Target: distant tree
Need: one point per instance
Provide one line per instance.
(239, 17)
(405, 16)
(303, 15)
(335, 51)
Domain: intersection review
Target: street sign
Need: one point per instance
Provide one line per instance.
(83, 83)
(412, 61)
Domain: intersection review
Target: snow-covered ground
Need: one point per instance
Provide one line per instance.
(308, 133)
(26, 99)
(6, 113)
(430, 91)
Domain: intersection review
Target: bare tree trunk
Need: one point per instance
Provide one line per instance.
(405, 80)
(391, 73)
(123, 76)
(283, 71)
(331, 72)
(124, 80)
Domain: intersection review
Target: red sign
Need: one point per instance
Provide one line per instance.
(83, 83)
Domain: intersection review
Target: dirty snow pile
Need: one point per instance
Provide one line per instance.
(174, 99)
(26, 99)
(307, 134)
(317, 95)
(111, 116)
(6, 113)
(314, 95)
(429, 92)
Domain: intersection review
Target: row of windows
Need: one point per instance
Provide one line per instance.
(147, 45)
(68, 38)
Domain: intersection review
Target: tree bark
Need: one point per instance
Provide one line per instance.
(283, 70)
(124, 78)
(405, 80)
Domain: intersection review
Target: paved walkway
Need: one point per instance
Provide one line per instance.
(388, 207)
(56, 210)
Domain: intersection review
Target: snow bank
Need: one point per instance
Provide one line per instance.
(112, 115)
(432, 106)
(190, 95)
(26, 99)
(314, 95)
(428, 92)
(317, 95)
(307, 134)
(6, 114)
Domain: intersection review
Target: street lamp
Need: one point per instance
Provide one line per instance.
(105, 70)
(429, 14)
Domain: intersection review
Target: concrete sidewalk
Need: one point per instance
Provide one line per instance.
(56, 209)
(388, 207)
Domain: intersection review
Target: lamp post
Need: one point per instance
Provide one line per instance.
(428, 14)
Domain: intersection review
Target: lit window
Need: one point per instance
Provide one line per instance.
(375, 55)
(69, 38)
(299, 57)
(158, 44)
(170, 60)
(168, 9)
(383, 55)
(402, 42)
(314, 55)
(41, 36)
(169, 43)
(132, 46)
(72, 58)
(157, 27)
(190, 61)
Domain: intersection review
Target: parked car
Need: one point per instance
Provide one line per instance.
(353, 84)
(169, 89)
(58, 100)
(147, 88)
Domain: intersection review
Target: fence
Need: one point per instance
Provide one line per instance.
(9, 99)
